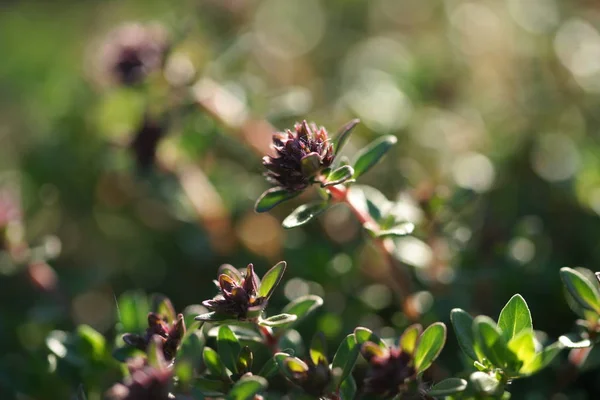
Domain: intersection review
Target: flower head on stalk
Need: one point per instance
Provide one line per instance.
(242, 296)
(301, 157)
(165, 327)
(390, 370)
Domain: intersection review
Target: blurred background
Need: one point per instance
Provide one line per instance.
(131, 137)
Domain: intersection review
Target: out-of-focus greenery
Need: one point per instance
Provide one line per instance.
(495, 105)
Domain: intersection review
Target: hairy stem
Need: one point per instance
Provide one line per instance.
(401, 281)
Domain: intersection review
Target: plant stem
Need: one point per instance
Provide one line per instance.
(401, 281)
(270, 339)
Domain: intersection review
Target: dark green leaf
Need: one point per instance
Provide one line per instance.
(343, 135)
(247, 387)
(429, 346)
(348, 388)
(372, 153)
(338, 176)
(271, 366)
(447, 387)
(211, 387)
(122, 354)
(489, 339)
(462, 323)
(228, 347)
(244, 360)
(192, 347)
(581, 289)
(214, 317)
(345, 356)
(279, 320)
(515, 318)
(271, 280)
(304, 214)
(272, 198)
(317, 351)
(213, 362)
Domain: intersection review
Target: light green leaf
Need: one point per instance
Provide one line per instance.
(271, 280)
(94, 344)
(523, 346)
(272, 198)
(304, 214)
(429, 346)
(338, 176)
(447, 387)
(244, 360)
(371, 154)
(574, 341)
(303, 306)
(462, 323)
(363, 335)
(541, 359)
(163, 306)
(408, 340)
(133, 311)
(345, 356)
(228, 347)
(485, 383)
(515, 318)
(247, 388)
(279, 320)
(581, 289)
(348, 388)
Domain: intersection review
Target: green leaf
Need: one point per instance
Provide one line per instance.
(310, 164)
(363, 335)
(515, 318)
(272, 198)
(371, 154)
(403, 229)
(279, 320)
(156, 358)
(122, 354)
(303, 306)
(192, 347)
(163, 306)
(523, 346)
(211, 387)
(214, 317)
(447, 387)
(247, 387)
(92, 342)
(345, 357)
(244, 360)
(429, 346)
(348, 388)
(408, 340)
(574, 341)
(317, 351)
(271, 280)
(304, 214)
(228, 347)
(343, 135)
(541, 359)
(485, 383)
(290, 366)
(231, 271)
(133, 311)
(340, 175)
(213, 362)
(581, 289)
(489, 339)
(271, 366)
(462, 323)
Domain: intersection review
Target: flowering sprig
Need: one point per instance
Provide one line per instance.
(244, 298)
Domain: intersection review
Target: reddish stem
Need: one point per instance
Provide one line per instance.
(401, 281)
(270, 339)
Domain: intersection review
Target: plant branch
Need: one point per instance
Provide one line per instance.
(401, 281)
